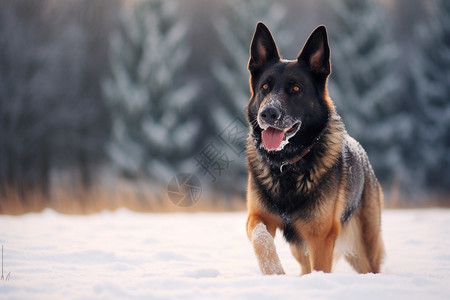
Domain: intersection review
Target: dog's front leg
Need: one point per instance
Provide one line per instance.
(264, 247)
(321, 248)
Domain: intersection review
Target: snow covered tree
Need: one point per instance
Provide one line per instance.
(363, 81)
(52, 117)
(155, 129)
(24, 160)
(235, 30)
(427, 153)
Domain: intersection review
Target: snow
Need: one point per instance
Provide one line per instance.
(206, 256)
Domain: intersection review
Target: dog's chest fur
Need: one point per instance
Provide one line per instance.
(299, 191)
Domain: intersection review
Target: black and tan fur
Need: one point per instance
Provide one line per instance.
(319, 189)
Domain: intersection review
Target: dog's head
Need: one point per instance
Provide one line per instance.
(289, 106)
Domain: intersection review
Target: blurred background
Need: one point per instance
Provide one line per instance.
(103, 102)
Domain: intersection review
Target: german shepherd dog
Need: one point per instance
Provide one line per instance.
(307, 176)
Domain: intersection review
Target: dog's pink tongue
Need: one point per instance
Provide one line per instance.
(272, 138)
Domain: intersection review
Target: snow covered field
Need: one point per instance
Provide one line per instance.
(205, 256)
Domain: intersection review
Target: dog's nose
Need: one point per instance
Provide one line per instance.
(270, 114)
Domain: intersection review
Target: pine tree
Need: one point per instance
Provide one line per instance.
(363, 81)
(427, 154)
(235, 31)
(155, 129)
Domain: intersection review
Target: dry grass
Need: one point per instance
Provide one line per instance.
(401, 201)
(12, 202)
(396, 198)
(140, 196)
(133, 196)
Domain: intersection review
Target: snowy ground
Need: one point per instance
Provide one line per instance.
(205, 256)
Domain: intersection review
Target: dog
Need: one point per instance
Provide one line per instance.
(306, 175)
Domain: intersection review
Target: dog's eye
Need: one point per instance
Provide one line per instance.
(295, 88)
(265, 86)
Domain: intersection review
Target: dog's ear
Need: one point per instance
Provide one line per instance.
(262, 50)
(316, 53)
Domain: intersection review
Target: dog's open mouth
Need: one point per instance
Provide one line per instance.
(275, 139)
